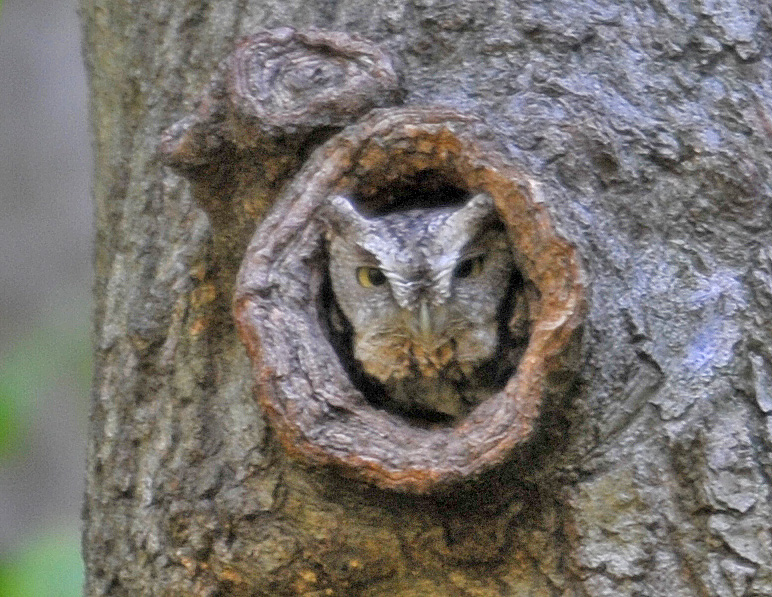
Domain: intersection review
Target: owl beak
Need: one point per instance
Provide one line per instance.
(424, 320)
(426, 323)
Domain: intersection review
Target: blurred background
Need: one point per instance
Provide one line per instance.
(45, 284)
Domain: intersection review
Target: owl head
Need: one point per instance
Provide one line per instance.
(422, 289)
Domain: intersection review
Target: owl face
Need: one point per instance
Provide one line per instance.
(422, 289)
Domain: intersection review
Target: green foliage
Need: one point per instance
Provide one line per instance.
(54, 357)
(52, 363)
(20, 374)
(9, 419)
(48, 566)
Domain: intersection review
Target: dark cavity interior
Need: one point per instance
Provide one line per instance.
(422, 189)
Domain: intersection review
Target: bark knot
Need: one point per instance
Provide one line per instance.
(278, 88)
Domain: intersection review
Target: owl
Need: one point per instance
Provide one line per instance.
(424, 294)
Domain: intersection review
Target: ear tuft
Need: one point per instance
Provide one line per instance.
(477, 211)
(340, 216)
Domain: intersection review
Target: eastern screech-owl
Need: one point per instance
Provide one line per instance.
(423, 292)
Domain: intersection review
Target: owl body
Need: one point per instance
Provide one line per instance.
(423, 292)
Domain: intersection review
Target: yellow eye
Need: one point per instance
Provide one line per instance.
(370, 276)
(470, 267)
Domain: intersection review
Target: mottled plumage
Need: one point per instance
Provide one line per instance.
(423, 292)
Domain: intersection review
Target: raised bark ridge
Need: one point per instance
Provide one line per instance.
(318, 413)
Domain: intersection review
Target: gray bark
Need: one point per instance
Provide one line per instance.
(648, 124)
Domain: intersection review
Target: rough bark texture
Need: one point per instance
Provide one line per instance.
(649, 125)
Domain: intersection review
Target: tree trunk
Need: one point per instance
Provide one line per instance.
(648, 126)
